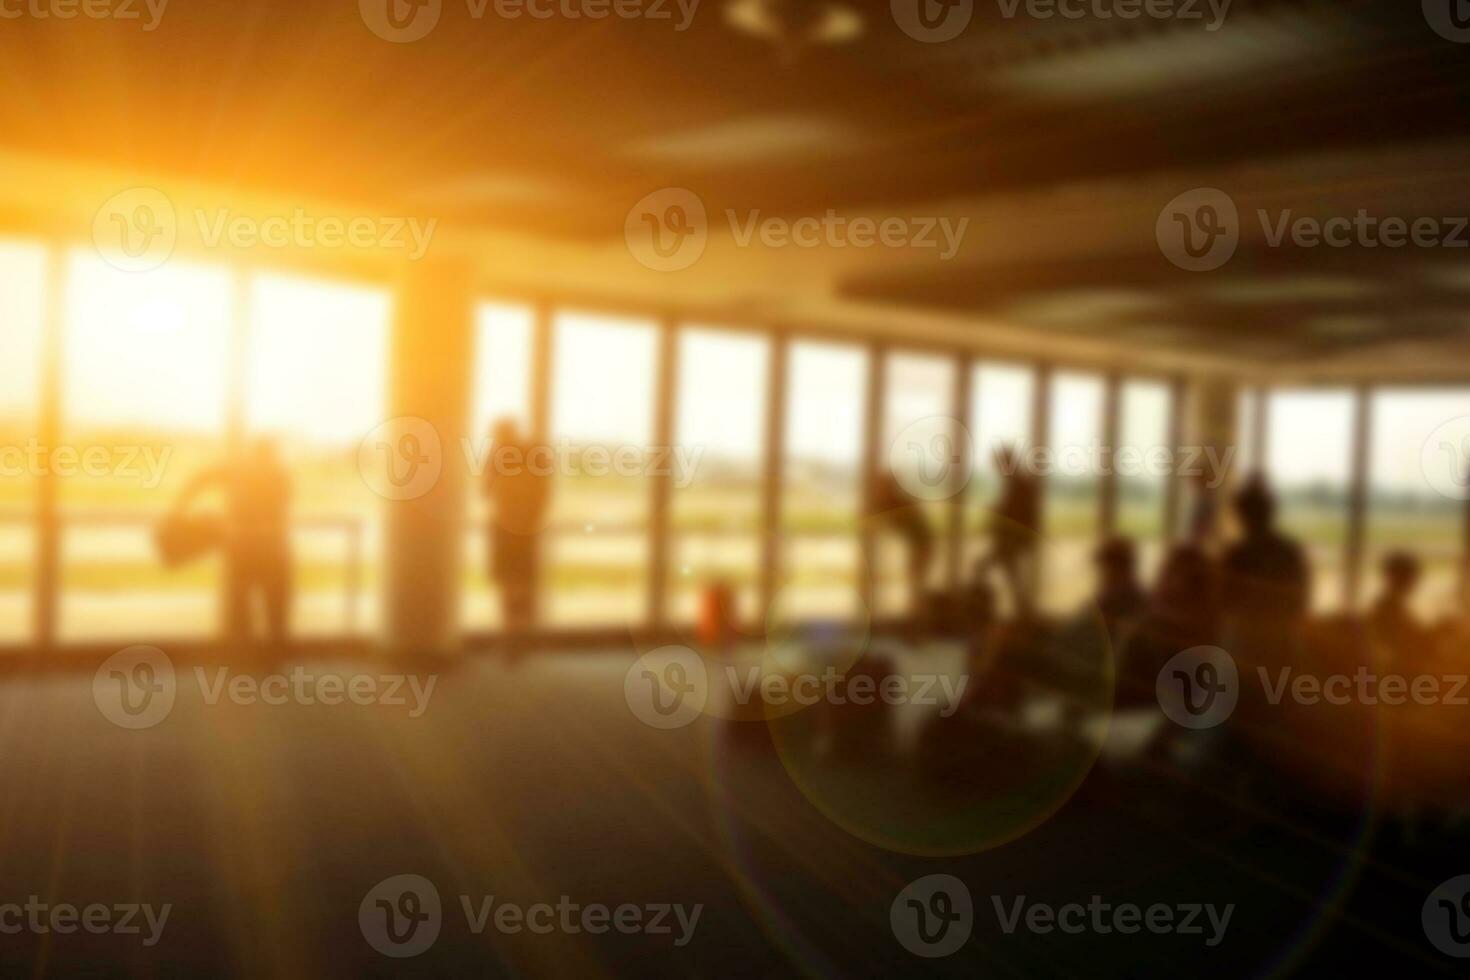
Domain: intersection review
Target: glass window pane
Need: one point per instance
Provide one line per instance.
(504, 335)
(602, 399)
(920, 402)
(1416, 469)
(317, 384)
(1001, 400)
(144, 376)
(822, 495)
(22, 319)
(1070, 511)
(1309, 465)
(1143, 431)
(715, 519)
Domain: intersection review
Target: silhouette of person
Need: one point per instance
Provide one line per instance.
(518, 488)
(1393, 628)
(1266, 589)
(1014, 521)
(1266, 573)
(1183, 612)
(896, 509)
(1121, 598)
(256, 539)
(1084, 644)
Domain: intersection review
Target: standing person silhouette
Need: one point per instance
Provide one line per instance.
(256, 539)
(1013, 531)
(1267, 580)
(1397, 634)
(517, 486)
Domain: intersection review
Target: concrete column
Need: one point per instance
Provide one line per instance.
(1210, 426)
(430, 382)
(773, 476)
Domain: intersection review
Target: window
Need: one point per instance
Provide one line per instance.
(1308, 462)
(720, 426)
(1001, 401)
(920, 405)
(145, 371)
(1071, 506)
(504, 336)
(1143, 431)
(602, 402)
(1408, 512)
(317, 384)
(827, 392)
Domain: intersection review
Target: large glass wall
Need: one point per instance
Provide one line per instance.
(719, 430)
(149, 374)
(820, 513)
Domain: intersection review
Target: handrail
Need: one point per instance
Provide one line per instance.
(352, 527)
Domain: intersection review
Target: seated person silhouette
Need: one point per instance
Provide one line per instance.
(1183, 612)
(1013, 531)
(1090, 638)
(1266, 585)
(1121, 598)
(1397, 635)
(518, 489)
(1266, 576)
(255, 535)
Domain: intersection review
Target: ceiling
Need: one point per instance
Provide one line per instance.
(1061, 139)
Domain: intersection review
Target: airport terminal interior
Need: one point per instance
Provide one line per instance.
(722, 488)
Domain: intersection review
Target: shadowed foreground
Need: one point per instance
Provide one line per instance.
(265, 826)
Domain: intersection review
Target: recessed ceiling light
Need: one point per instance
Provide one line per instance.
(792, 25)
